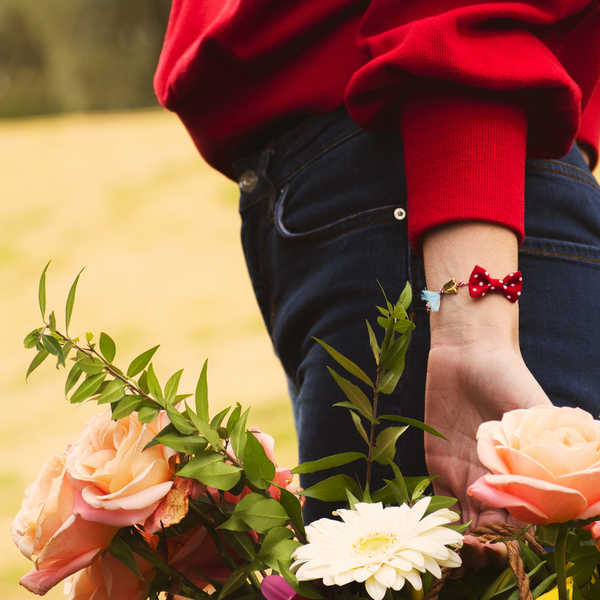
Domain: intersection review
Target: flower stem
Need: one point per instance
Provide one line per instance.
(372, 437)
(560, 558)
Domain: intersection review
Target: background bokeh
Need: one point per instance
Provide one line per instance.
(94, 174)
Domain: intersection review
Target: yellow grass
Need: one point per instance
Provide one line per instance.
(127, 196)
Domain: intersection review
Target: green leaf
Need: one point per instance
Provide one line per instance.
(543, 586)
(304, 588)
(419, 489)
(31, 339)
(293, 508)
(259, 470)
(395, 353)
(126, 406)
(352, 408)
(154, 386)
(122, 552)
(52, 345)
(235, 581)
(189, 444)
(91, 366)
(171, 386)
(42, 291)
(332, 489)
(390, 380)
(352, 368)
(88, 388)
(273, 537)
(353, 393)
(385, 445)
(359, 426)
(113, 392)
(107, 347)
(218, 418)
(398, 486)
(404, 326)
(147, 414)
(328, 462)
(89, 336)
(52, 322)
(241, 542)
(234, 417)
(179, 421)
(263, 515)
(439, 502)
(202, 394)
(205, 429)
(139, 364)
(373, 342)
(406, 297)
(211, 469)
(413, 423)
(280, 553)
(39, 358)
(71, 302)
(238, 435)
(72, 378)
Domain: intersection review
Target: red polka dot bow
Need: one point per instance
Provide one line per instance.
(480, 283)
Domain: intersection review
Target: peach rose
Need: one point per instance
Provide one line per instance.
(47, 531)
(120, 484)
(545, 464)
(109, 579)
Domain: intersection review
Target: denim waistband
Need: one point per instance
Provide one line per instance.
(295, 150)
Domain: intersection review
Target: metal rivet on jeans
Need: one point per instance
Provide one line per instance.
(399, 214)
(248, 181)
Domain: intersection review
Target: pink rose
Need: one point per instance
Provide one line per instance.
(545, 463)
(47, 531)
(120, 484)
(109, 579)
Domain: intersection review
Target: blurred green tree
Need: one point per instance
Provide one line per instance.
(76, 55)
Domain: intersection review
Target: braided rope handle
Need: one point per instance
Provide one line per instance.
(489, 533)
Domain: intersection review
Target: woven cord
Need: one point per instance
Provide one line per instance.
(489, 533)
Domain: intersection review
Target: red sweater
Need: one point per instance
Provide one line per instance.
(475, 87)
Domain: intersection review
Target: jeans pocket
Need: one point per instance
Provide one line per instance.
(337, 228)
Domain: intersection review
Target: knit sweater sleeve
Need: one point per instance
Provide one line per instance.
(475, 88)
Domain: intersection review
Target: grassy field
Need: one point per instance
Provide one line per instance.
(126, 196)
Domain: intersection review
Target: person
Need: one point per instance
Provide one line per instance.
(392, 141)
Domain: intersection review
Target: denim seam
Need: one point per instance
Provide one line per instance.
(568, 166)
(301, 241)
(263, 250)
(319, 154)
(595, 187)
(527, 250)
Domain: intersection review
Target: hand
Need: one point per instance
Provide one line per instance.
(465, 387)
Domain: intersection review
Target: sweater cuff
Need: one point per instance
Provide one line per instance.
(464, 157)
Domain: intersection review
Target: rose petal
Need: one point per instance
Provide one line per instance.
(519, 463)
(558, 503)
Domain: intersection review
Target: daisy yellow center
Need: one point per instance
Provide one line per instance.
(374, 544)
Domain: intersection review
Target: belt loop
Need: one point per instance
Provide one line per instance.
(263, 167)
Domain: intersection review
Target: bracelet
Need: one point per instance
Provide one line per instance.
(432, 299)
(480, 283)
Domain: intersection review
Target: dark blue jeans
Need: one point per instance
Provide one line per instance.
(324, 218)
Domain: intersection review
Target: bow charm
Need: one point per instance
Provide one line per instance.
(480, 283)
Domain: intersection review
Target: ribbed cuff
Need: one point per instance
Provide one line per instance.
(464, 157)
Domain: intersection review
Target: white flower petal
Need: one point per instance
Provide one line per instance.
(375, 589)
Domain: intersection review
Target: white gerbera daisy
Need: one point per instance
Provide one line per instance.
(382, 547)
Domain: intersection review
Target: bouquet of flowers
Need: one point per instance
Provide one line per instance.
(159, 498)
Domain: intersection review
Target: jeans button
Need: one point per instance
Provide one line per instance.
(400, 214)
(248, 181)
